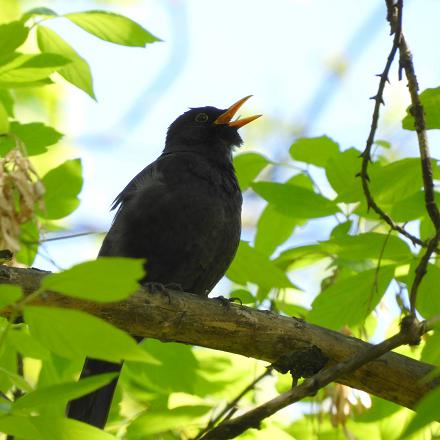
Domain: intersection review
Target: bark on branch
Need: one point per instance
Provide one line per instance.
(183, 317)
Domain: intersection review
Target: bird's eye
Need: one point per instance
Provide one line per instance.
(201, 117)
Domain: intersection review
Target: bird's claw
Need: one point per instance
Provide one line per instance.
(155, 287)
(227, 301)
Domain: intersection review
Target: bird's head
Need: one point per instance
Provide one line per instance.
(207, 129)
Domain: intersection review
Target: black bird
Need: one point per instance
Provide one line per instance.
(182, 213)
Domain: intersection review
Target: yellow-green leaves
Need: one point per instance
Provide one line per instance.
(62, 186)
(315, 151)
(103, 280)
(248, 166)
(73, 334)
(12, 36)
(430, 99)
(77, 72)
(112, 27)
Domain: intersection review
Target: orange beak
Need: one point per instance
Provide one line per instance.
(226, 117)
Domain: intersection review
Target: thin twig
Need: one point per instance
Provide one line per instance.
(410, 332)
(378, 98)
(228, 410)
(417, 112)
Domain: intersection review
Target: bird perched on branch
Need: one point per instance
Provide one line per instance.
(182, 213)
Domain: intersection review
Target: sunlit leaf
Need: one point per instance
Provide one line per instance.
(73, 334)
(22, 69)
(301, 256)
(274, 227)
(428, 301)
(16, 379)
(295, 201)
(430, 99)
(50, 428)
(27, 345)
(29, 240)
(112, 27)
(427, 411)
(12, 36)
(78, 71)
(316, 151)
(249, 265)
(4, 121)
(384, 247)
(8, 101)
(431, 348)
(101, 280)
(248, 166)
(62, 185)
(163, 380)
(342, 171)
(156, 421)
(61, 393)
(356, 295)
(36, 136)
(380, 409)
(9, 294)
(41, 11)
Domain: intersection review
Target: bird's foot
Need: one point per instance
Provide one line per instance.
(155, 287)
(227, 301)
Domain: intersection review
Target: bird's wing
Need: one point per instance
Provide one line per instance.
(149, 176)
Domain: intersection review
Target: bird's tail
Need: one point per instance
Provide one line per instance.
(93, 408)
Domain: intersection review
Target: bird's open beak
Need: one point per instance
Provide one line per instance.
(226, 117)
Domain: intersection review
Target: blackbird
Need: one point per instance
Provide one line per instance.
(182, 214)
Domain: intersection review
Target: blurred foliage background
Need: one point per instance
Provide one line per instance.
(310, 66)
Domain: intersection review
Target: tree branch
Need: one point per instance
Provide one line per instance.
(191, 319)
(417, 112)
(252, 419)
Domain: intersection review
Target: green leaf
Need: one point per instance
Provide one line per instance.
(29, 240)
(295, 201)
(27, 345)
(428, 301)
(249, 265)
(430, 99)
(359, 294)
(103, 280)
(371, 245)
(4, 121)
(112, 27)
(315, 151)
(78, 71)
(156, 421)
(62, 185)
(380, 409)
(248, 166)
(72, 334)
(163, 380)
(301, 256)
(41, 11)
(341, 230)
(427, 411)
(390, 182)
(273, 227)
(12, 35)
(50, 428)
(9, 294)
(244, 295)
(61, 393)
(431, 348)
(16, 379)
(8, 102)
(24, 69)
(342, 171)
(36, 136)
